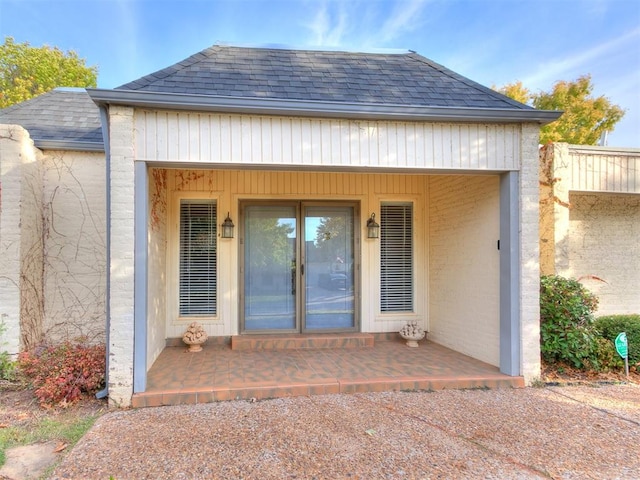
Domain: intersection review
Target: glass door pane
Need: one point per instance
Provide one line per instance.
(270, 267)
(328, 276)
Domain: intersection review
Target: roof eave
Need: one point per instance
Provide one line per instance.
(69, 145)
(311, 108)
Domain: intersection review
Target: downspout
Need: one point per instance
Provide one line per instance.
(104, 120)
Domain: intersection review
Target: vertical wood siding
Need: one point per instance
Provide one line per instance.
(257, 183)
(608, 171)
(163, 136)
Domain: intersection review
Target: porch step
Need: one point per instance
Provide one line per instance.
(301, 341)
(218, 373)
(210, 394)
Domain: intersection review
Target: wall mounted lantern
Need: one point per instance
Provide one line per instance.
(227, 227)
(373, 229)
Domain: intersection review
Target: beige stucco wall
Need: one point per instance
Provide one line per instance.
(74, 207)
(464, 264)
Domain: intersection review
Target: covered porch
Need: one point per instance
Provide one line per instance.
(265, 366)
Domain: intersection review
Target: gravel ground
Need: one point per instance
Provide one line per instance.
(576, 432)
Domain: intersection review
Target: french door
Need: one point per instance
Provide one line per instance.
(298, 267)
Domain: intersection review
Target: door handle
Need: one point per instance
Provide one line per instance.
(302, 269)
(293, 281)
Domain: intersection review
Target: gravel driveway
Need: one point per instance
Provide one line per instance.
(554, 432)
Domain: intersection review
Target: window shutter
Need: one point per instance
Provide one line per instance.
(198, 258)
(396, 258)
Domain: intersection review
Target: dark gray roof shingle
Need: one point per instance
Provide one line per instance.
(61, 115)
(330, 76)
(70, 116)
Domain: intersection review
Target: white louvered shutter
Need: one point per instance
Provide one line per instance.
(396, 258)
(198, 258)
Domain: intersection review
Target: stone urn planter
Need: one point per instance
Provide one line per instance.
(412, 333)
(195, 336)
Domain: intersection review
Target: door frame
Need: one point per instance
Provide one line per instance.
(300, 296)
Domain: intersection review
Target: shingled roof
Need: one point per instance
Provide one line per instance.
(336, 84)
(59, 119)
(325, 76)
(403, 86)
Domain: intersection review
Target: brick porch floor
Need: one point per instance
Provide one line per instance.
(219, 372)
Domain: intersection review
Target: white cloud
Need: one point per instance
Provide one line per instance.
(403, 19)
(559, 68)
(364, 23)
(328, 27)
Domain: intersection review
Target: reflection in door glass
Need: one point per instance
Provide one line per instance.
(270, 268)
(329, 260)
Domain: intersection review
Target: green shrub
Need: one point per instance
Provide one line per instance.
(566, 322)
(62, 373)
(606, 356)
(7, 365)
(610, 326)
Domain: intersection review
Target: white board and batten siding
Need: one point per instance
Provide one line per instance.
(166, 136)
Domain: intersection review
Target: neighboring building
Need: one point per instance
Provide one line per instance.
(299, 149)
(590, 221)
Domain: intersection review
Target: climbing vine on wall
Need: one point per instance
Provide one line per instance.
(158, 198)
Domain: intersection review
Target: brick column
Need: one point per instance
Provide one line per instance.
(121, 268)
(529, 255)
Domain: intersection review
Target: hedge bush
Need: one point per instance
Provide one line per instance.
(611, 325)
(566, 323)
(62, 373)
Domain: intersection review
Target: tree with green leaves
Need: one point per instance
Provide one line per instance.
(585, 118)
(27, 71)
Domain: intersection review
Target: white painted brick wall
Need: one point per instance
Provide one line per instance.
(598, 233)
(604, 241)
(157, 279)
(20, 238)
(530, 255)
(464, 265)
(122, 256)
(14, 140)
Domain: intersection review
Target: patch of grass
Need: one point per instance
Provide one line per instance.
(67, 429)
(537, 383)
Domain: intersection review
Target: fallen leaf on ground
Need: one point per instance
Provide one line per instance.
(60, 447)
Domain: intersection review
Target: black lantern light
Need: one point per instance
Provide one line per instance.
(227, 227)
(373, 229)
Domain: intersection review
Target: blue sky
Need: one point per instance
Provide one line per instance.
(493, 42)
